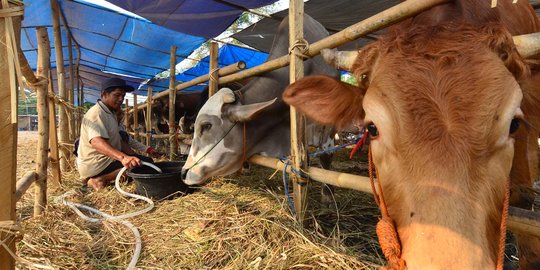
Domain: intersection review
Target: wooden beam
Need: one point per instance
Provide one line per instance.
(8, 132)
(213, 72)
(24, 183)
(63, 121)
(173, 144)
(126, 115)
(71, 85)
(43, 69)
(519, 220)
(298, 120)
(54, 157)
(376, 22)
(523, 221)
(135, 117)
(149, 117)
(76, 117)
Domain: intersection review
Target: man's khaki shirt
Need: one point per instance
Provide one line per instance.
(98, 121)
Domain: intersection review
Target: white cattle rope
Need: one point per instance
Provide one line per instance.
(106, 217)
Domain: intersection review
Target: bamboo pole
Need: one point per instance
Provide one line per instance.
(519, 220)
(135, 117)
(173, 144)
(213, 72)
(8, 132)
(63, 123)
(378, 21)
(126, 115)
(298, 121)
(522, 221)
(43, 69)
(54, 157)
(165, 136)
(24, 183)
(71, 85)
(76, 117)
(149, 117)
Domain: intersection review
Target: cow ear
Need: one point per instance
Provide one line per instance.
(326, 100)
(228, 95)
(500, 41)
(243, 113)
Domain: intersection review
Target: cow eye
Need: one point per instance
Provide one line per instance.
(373, 131)
(514, 125)
(205, 127)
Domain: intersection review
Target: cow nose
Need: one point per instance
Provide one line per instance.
(184, 173)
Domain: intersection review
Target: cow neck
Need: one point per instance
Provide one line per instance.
(388, 234)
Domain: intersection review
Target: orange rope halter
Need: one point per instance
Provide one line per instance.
(502, 237)
(386, 228)
(388, 235)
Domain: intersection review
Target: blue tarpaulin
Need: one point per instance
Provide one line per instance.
(205, 18)
(111, 42)
(228, 54)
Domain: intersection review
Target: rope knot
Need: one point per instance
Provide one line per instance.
(41, 81)
(302, 45)
(214, 73)
(11, 12)
(389, 241)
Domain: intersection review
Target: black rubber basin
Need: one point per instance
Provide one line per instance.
(157, 186)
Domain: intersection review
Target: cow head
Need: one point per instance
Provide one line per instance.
(442, 106)
(218, 140)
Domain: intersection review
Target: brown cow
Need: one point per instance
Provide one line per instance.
(453, 111)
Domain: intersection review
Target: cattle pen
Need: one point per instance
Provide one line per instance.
(53, 161)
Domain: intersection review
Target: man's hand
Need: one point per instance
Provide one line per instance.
(130, 162)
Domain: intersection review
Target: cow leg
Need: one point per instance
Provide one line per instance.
(327, 191)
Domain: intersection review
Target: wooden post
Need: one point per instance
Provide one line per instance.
(54, 157)
(173, 144)
(149, 116)
(213, 73)
(298, 121)
(74, 117)
(43, 68)
(71, 86)
(126, 116)
(8, 133)
(62, 116)
(135, 117)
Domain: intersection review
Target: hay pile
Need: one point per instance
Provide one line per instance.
(238, 222)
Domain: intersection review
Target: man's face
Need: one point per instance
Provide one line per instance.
(114, 99)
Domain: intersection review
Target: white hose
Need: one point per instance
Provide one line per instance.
(138, 242)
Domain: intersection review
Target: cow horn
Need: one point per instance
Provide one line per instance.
(228, 95)
(339, 59)
(528, 45)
